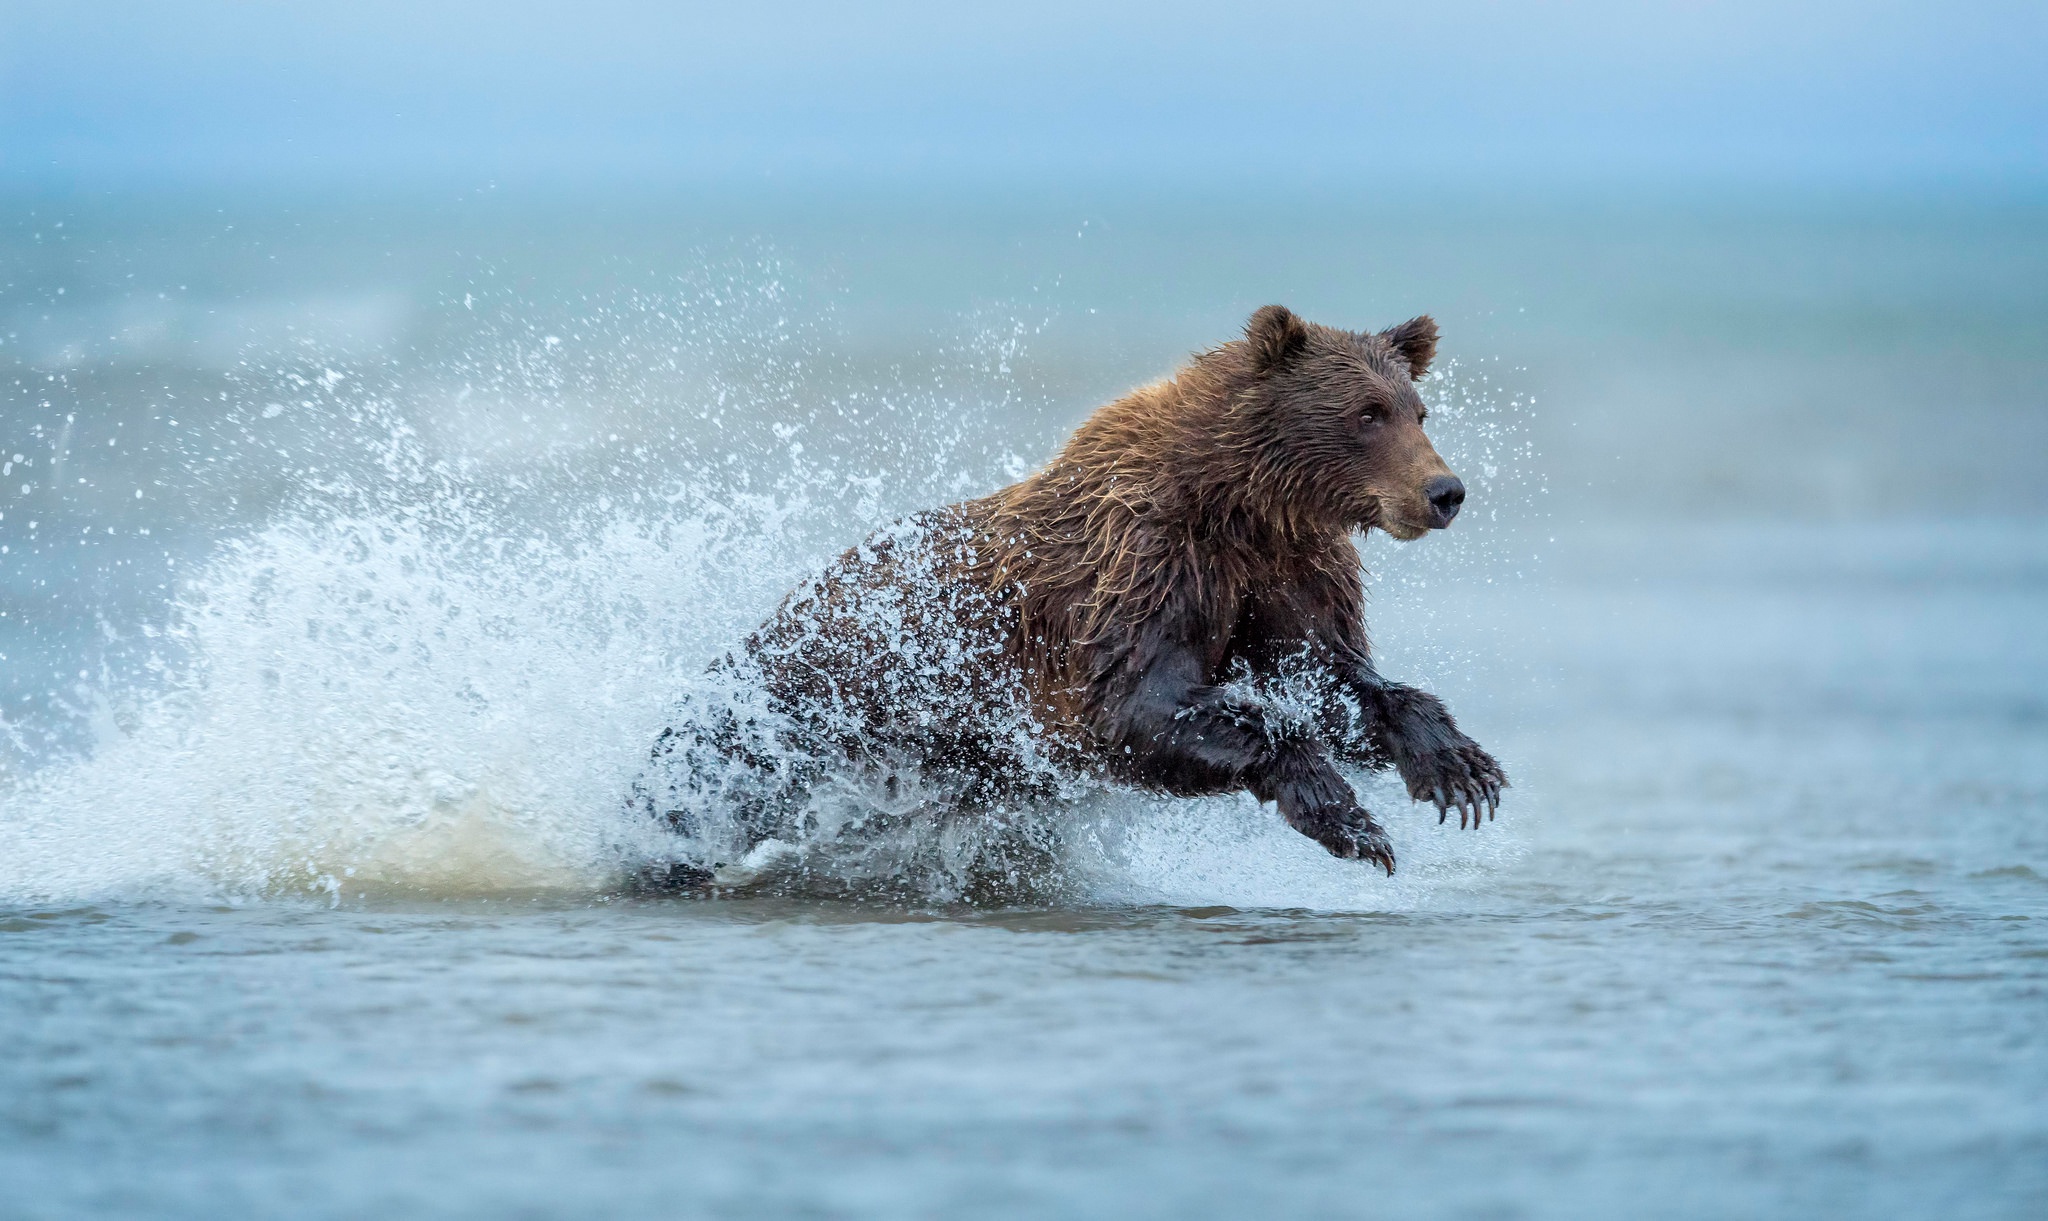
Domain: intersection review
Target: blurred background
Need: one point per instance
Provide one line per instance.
(1759, 263)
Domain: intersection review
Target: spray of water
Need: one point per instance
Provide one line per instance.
(438, 666)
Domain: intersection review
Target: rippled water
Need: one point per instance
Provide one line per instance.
(310, 882)
(1761, 934)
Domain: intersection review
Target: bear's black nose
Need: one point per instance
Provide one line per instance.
(1446, 495)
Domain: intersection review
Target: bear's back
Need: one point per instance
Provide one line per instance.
(902, 645)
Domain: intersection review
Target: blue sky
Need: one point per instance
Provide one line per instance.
(617, 91)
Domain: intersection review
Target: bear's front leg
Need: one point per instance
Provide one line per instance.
(1318, 802)
(1436, 760)
(1176, 733)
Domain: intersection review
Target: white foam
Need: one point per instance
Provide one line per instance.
(366, 703)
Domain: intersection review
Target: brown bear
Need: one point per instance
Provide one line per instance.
(1133, 611)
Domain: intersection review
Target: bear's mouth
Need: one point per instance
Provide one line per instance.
(1433, 506)
(1406, 532)
(1379, 514)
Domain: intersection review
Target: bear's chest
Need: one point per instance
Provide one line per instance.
(1267, 624)
(1222, 635)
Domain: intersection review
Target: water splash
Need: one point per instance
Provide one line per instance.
(437, 668)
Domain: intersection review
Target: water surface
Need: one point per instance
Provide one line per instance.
(310, 851)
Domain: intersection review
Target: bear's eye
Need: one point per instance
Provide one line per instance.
(1368, 418)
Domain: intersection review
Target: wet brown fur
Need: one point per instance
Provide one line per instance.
(1193, 532)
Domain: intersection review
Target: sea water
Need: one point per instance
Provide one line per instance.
(315, 865)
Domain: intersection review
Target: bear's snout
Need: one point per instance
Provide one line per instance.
(1446, 495)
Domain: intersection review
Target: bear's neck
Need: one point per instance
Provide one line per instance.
(1167, 456)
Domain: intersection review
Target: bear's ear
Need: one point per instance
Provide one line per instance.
(1415, 342)
(1273, 335)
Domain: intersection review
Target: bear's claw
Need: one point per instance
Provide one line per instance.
(1461, 777)
(1358, 838)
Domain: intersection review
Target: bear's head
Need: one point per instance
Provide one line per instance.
(1335, 425)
